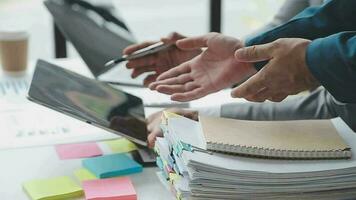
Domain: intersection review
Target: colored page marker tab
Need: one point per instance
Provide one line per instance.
(166, 115)
(84, 175)
(80, 150)
(110, 188)
(121, 145)
(159, 162)
(112, 165)
(55, 188)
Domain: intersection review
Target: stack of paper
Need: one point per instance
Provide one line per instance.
(193, 173)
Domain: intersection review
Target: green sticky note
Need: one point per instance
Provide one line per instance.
(52, 189)
(83, 174)
(121, 145)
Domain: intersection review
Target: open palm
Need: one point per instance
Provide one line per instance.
(214, 69)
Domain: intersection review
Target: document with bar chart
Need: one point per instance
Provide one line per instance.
(24, 124)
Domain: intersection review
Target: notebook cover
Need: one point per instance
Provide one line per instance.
(298, 135)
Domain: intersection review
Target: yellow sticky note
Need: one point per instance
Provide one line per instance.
(83, 174)
(51, 189)
(121, 145)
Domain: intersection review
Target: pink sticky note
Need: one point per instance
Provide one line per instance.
(80, 150)
(109, 189)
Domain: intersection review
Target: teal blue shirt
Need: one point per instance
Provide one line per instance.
(331, 56)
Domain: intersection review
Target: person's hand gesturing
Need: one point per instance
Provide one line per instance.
(159, 62)
(214, 69)
(285, 73)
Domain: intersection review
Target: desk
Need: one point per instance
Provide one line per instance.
(19, 165)
(22, 164)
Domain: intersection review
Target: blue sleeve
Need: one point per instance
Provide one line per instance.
(332, 60)
(312, 23)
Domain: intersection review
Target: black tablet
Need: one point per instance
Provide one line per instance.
(89, 100)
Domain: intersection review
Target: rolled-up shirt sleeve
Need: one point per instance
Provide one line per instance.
(314, 22)
(332, 60)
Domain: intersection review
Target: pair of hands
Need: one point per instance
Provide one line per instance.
(187, 72)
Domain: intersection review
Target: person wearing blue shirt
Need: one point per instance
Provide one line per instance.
(331, 56)
(316, 47)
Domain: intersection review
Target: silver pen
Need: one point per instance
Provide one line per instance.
(157, 47)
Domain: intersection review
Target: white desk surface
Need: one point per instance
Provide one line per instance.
(23, 164)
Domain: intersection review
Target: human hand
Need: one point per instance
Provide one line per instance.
(154, 121)
(159, 62)
(285, 73)
(214, 69)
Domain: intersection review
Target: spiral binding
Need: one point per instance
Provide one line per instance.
(278, 153)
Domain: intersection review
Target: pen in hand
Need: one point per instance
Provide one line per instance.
(157, 47)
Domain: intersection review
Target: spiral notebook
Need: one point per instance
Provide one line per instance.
(299, 139)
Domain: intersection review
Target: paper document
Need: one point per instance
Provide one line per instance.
(24, 125)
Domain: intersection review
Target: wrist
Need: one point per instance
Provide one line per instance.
(310, 80)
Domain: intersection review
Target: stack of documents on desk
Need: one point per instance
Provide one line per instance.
(193, 173)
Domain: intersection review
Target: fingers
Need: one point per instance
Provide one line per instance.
(138, 71)
(150, 79)
(188, 96)
(176, 71)
(258, 90)
(142, 62)
(252, 86)
(151, 138)
(260, 96)
(254, 53)
(180, 80)
(172, 89)
(132, 48)
(195, 42)
(278, 97)
(172, 38)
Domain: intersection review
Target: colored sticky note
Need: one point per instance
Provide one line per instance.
(121, 145)
(84, 174)
(111, 165)
(110, 188)
(55, 188)
(80, 150)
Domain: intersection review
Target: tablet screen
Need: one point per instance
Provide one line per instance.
(89, 100)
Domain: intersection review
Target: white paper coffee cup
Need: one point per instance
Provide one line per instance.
(14, 50)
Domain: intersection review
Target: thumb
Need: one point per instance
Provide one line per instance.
(254, 53)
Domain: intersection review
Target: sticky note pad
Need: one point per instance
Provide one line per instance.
(55, 188)
(110, 188)
(84, 174)
(81, 150)
(121, 145)
(111, 165)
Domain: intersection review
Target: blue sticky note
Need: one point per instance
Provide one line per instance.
(112, 165)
